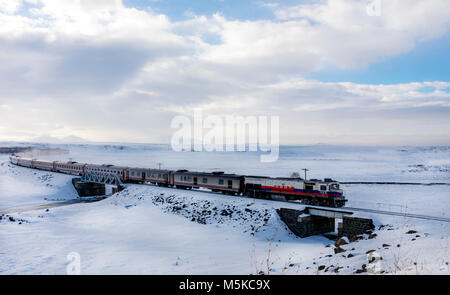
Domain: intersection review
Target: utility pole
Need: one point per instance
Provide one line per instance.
(159, 166)
(304, 169)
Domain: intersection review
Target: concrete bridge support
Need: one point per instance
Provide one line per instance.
(88, 189)
(315, 221)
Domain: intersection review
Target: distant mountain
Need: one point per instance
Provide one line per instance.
(60, 140)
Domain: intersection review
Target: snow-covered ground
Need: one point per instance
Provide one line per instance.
(153, 230)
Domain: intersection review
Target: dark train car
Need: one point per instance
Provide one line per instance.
(215, 181)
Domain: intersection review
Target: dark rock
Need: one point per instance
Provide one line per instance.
(372, 236)
(350, 255)
(11, 219)
(398, 245)
(417, 236)
(338, 250)
(411, 232)
(322, 267)
(370, 251)
(341, 241)
(386, 245)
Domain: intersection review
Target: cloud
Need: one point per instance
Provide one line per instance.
(103, 71)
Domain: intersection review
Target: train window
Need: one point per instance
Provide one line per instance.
(220, 181)
(323, 187)
(132, 173)
(334, 186)
(205, 180)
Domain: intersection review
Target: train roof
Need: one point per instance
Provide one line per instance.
(326, 180)
(215, 174)
(151, 169)
(107, 166)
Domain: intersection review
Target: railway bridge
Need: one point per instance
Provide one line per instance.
(93, 183)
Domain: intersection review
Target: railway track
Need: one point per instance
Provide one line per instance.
(411, 215)
(395, 183)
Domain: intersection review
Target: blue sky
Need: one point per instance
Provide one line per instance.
(429, 61)
(233, 9)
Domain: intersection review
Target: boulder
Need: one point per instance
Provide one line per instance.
(342, 241)
(338, 250)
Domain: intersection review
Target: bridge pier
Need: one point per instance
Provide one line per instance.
(88, 189)
(315, 221)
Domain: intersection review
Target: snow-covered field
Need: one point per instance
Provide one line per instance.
(153, 230)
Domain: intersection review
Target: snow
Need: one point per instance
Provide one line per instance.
(23, 186)
(153, 230)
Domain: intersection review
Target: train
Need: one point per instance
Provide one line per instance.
(326, 192)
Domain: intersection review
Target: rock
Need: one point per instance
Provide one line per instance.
(354, 239)
(327, 246)
(411, 232)
(386, 245)
(47, 210)
(11, 219)
(417, 236)
(370, 251)
(350, 255)
(373, 259)
(362, 269)
(322, 267)
(338, 250)
(342, 241)
(372, 236)
(398, 245)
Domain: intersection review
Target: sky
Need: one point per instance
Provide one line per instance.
(120, 71)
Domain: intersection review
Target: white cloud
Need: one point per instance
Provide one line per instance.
(102, 71)
(10, 6)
